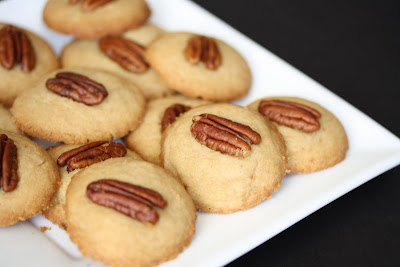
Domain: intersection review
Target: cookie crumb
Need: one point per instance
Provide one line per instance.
(44, 229)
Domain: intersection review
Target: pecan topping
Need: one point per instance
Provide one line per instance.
(205, 49)
(78, 87)
(9, 164)
(171, 113)
(132, 200)
(291, 114)
(89, 5)
(16, 48)
(89, 154)
(126, 53)
(224, 135)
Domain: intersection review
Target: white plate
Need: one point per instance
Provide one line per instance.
(220, 239)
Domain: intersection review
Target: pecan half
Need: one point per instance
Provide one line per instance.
(171, 113)
(16, 48)
(205, 49)
(89, 154)
(132, 200)
(9, 164)
(291, 114)
(224, 135)
(126, 53)
(89, 5)
(78, 87)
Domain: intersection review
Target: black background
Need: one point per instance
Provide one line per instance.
(353, 49)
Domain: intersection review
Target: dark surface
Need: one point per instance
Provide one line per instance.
(353, 49)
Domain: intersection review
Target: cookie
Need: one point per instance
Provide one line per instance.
(120, 240)
(55, 213)
(89, 19)
(146, 139)
(17, 73)
(227, 157)
(315, 138)
(33, 181)
(100, 106)
(92, 53)
(6, 122)
(144, 34)
(199, 66)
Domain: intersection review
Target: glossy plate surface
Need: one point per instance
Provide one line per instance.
(220, 239)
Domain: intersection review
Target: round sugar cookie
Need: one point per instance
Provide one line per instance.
(15, 80)
(47, 115)
(230, 81)
(38, 181)
(113, 17)
(117, 239)
(6, 122)
(146, 139)
(55, 213)
(311, 151)
(87, 53)
(221, 182)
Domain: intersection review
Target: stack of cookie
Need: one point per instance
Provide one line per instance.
(165, 95)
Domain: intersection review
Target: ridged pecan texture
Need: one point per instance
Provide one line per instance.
(224, 135)
(89, 154)
(77, 87)
(205, 49)
(9, 164)
(90, 5)
(171, 113)
(16, 48)
(132, 200)
(126, 53)
(291, 114)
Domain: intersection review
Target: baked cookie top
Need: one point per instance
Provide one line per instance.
(144, 34)
(92, 53)
(222, 172)
(38, 59)
(47, 115)
(146, 139)
(6, 122)
(55, 213)
(314, 142)
(200, 66)
(37, 180)
(112, 17)
(117, 239)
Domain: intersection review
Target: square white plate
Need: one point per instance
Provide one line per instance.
(220, 239)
